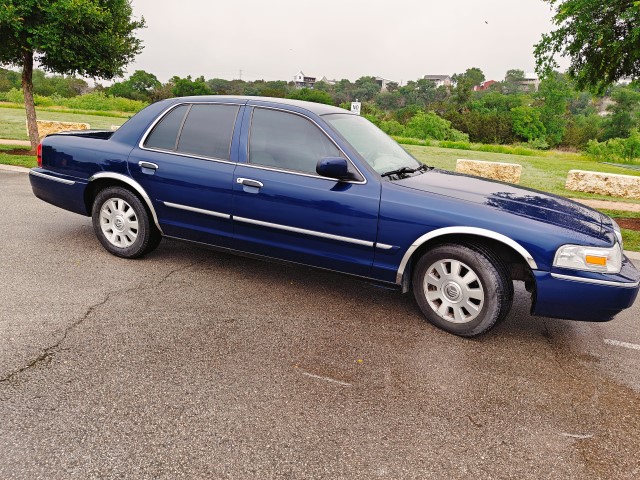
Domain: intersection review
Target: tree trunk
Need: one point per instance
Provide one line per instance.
(29, 105)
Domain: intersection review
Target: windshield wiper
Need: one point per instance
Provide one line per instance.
(402, 170)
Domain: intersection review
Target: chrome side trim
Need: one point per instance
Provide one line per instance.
(198, 210)
(133, 184)
(384, 246)
(480, 232)
(150, 165)
(570, 278)
(304, 231)
(51, 177)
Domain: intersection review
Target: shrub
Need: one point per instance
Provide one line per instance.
(625, 150)
(392, 127)
(429, 125)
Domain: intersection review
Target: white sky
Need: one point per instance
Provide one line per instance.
(400, 41)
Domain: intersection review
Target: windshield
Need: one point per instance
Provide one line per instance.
(376, 147)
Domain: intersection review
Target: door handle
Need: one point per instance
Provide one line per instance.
(249, 183)
(147, 166)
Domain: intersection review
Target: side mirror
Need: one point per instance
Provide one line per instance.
(333, 167)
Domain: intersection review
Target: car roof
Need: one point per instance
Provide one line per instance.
(317, 108)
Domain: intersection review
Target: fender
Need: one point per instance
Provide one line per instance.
(479, 232)
(135, 185)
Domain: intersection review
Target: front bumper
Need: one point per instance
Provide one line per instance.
(585, 296)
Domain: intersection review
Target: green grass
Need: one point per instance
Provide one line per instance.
(631, 239)
(546, 171)
(13, 120)
(28, 161)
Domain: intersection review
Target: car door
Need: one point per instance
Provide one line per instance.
(186, 165)
(282, 208)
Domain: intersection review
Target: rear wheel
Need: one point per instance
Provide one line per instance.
(462, 289)
(122, 224)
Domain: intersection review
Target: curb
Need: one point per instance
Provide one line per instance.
(13, 168)
(632, 255)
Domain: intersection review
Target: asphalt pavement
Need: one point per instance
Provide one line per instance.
(195, 364)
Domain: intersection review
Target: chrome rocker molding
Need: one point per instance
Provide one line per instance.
(198, 210)
(479, 232)
(594, 281)
(135, 185)
(305, 232)
(51, 177)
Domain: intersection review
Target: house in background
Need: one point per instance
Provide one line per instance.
(484, 86)
(530, 82)
(302, 81)
(439, 80)
(383, 82)
(327, 81)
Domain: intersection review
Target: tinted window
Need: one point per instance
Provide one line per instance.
(287, 141)
(208, 130)
(165, 133)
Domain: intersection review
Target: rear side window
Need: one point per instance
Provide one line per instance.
(165, 133)
(200, 129)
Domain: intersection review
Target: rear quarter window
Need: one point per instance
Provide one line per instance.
(165, 134)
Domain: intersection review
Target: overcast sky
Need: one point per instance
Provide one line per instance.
(397, 40)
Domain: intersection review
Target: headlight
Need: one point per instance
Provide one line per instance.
(592, 259)
(618, 233)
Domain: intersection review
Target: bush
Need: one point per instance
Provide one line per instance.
(429, 125)
(392, 127)
(538, 144)
(626, 150)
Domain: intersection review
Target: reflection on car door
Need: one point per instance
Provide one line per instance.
(283, 209)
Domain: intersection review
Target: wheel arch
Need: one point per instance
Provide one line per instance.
(506, 248)
(103, 180)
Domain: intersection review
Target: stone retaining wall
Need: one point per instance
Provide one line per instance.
(46, 127)
(505, 172)
(613, 184)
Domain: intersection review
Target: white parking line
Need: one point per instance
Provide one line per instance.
(327, 379)
(617, 343)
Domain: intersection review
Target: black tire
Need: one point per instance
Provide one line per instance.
(463, 289)
(122, 224)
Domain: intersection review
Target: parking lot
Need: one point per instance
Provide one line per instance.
(195, 364)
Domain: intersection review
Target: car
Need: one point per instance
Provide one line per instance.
(317, 185)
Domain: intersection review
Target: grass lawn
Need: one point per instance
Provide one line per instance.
(13, 121)
(28, 161)
(547, 172)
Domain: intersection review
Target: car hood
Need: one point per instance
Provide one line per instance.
(524, 202)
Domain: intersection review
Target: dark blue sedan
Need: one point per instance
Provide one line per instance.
(317, 185)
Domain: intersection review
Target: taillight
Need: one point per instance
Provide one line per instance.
(39, 154)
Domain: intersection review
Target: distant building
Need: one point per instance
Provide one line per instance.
(300, 80)
(383, 82)
(484, 86)
(530, 82)
(327, 81)
(439, 80)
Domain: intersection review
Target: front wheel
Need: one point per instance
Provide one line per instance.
(462, 289)
(122, 224)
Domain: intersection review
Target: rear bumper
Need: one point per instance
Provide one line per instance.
(59, 190)
(587, 297)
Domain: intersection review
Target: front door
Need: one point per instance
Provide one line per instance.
(283, 208)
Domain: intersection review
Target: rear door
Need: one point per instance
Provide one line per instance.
(283, 208)
(186, 166)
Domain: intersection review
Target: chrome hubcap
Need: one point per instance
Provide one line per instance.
(453, 291)
(119, 222)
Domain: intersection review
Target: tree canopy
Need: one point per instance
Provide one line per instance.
(93, 38)
(601, 40)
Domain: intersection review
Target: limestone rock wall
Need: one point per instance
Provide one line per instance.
(615, 185)
(505, 172)
(46, 127)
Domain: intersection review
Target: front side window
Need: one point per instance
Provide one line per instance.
(199, 129)
(287, 141)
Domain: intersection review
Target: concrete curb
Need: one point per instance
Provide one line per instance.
(13, 168)
(632, 255)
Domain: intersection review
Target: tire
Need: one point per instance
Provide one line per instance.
(463, 289)
(122, 224)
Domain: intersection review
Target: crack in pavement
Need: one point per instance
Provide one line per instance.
(48, 352)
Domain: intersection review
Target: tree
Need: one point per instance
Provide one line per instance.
(625, 113)
(601, 39)
(553, 98)
(185, 87)
(513, 81)
(93, 38)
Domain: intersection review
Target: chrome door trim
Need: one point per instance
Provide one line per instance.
(51, 177)
(480, 232)
(384, 246)
(594, 281)
(133, 184)
(249, 182)
(198, 210)
(149, 165)
(304, 231)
